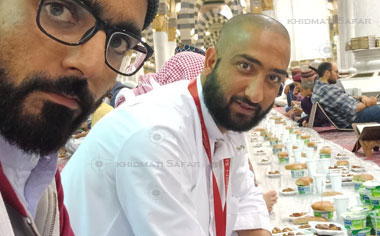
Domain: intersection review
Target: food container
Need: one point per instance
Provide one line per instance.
(375, 202)
(277, 148)
(360, 232)
(290, 129)
(375, 219)
(312, 145)
(354, 221)
(283, 157)
(304, 190)
(325, 214)
(357, 184)
(364, 196)
(297, 133)
(273, 141)
(373, 186)
(325, 152)
(305, 138)
(364, 209)
(298, 173)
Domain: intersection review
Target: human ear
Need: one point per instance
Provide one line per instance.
(210, 60)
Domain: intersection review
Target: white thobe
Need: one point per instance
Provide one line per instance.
(143, 170)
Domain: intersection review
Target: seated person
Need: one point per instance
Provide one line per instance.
(306, 105)
(342, 108)
(281, 100)
(289, 90)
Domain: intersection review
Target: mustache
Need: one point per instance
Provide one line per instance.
(245, 100)
(71, 86)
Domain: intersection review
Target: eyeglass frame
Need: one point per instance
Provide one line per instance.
(100, 25)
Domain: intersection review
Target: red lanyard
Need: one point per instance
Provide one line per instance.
(220, 214)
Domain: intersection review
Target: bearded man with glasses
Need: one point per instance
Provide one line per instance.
(58, 59)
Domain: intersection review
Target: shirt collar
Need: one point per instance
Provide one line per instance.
(29, 174)
(231, 141)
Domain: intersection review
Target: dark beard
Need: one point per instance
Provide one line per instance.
(220, 110)
(331, 81)
(47, 131)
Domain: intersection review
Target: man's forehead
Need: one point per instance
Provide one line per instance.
(124, 14)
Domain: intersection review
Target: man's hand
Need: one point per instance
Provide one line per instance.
(295, 103)
(304, 123)
(270, 198)
(369, 101)
(297, 110)
(254, 232)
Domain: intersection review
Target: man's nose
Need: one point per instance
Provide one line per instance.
(255, 89)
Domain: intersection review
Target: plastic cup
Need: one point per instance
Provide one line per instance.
(324, 166)
(300, 144)
(336, 181)
(319, 183)
(312, 167)
(297, 155)
(341, 205)
(310, 153)
(293, 139)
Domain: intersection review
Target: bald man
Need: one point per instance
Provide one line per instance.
(174, 162)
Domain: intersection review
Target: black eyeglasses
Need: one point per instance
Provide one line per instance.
(72, 23)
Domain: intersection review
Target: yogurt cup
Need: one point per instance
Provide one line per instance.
(298, 173)
(375, 201)
(364, 196)
(273, 141)
(325, 153)
(354, 221)
(360, 232)
(375, 220)
(373, 186)
(304, 190)
(325, 214)
(357, 184)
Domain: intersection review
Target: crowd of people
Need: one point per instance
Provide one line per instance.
(322, 85)
(169, 158)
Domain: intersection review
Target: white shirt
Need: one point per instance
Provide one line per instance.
(143, 170)
(282, 99)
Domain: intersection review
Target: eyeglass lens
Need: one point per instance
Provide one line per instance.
(71, 23)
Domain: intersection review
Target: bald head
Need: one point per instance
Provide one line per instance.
(234, 28)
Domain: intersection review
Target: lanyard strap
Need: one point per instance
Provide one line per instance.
(220, 214)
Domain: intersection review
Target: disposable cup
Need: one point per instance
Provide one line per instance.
(319, 183)
(297, 155)
(324, 166)
(341, 205)
(336, 181)
(309, 153)
(312, 167)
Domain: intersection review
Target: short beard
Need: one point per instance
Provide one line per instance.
(47, 131)
(220, 110)
(331, 81)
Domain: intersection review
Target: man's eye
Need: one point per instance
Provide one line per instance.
(119, 45)
(245, 66)
(59, 12)
(275, 78)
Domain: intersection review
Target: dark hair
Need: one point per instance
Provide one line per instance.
(151, 12)
(323, 67)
